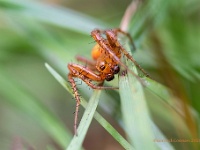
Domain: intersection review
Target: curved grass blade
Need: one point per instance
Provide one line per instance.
(97, 116)
(109, 128)
(137, 120)
(86, 120)
(135, 113)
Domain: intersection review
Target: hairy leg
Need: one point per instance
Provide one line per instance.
(112, 38)
(88, 63)
(78, 101)
(126, 34)
(77, 71)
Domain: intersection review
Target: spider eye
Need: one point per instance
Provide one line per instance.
(116, 69)
(102, 67)
(109, 77)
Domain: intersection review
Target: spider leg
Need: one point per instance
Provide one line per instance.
(96, 34)
(89, 63)
(116, 30)
(85, 60)
(98, 87)
(112, 38)
(78, 71)
(78, 101)
(126, 34)
(87, 76)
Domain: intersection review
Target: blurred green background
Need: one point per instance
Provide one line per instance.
(35, 110)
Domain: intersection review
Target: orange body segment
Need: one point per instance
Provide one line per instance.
(96, 52)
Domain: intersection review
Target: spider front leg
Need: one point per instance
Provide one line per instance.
(78, 71)
(89, 63)
(78, 101)
(114, 42)
(85, 60)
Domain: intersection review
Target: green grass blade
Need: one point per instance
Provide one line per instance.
(136, 116)
(113, 132)
(135, 113)
(56, 15)
(85, 122)
(22, 100)
(160, 90)
(97, 116)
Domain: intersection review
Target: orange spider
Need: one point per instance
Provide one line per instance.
(106, 60)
